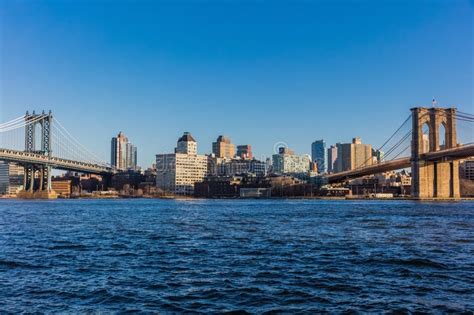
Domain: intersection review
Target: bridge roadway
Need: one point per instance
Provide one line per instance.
(442, 155)
(56, 163)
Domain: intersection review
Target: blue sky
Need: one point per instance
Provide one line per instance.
(260, 72)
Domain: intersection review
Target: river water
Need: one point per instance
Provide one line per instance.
(251, 256)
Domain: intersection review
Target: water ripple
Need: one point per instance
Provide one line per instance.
(236, 256)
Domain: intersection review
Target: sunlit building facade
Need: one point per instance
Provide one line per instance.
(287, 162)
(353, 155)
(223, 147)
(177, 172)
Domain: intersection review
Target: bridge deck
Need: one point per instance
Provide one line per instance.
(57, 163)
(448, 154)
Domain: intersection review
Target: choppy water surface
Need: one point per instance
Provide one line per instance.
(216, 256)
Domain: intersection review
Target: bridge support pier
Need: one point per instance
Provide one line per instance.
(433, 179)
(40, 189)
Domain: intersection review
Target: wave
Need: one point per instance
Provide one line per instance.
(17, 264)
(413, 262)
(78, 247)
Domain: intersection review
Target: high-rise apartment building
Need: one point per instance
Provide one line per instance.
(286, 162)
(318, 155)
(11, 178)
(244, 151)
(119, 151)
(131, 156)
(177, 172)
(223, 147)
(123, 153)
(353, 155)
(332, 157)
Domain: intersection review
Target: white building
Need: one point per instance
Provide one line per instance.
(177, 172)
(11, 178)
(286, 162)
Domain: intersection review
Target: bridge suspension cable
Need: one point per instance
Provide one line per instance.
(68, 145)
(392, 137)
(20, 124)
(465, 114)
(12, 135)
(12, 122)
(63, 144)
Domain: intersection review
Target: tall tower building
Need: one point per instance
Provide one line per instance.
(318, 155)
(123, 153)
(119, 151)
(223, 148)
(131, 156)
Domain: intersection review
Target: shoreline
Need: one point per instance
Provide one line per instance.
(354, 198)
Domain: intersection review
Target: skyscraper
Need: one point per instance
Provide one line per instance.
(119, 151)
(223, 148)
(318, 155)
(123, 153)
(332, 157)
(131, 156)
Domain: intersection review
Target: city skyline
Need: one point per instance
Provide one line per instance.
(237, 157)
(174, 70)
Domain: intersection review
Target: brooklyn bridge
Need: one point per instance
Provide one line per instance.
(40, 143)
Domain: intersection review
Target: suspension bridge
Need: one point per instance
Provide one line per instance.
(430, 147)
(38, 144)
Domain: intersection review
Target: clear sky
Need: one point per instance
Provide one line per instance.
(260, 72)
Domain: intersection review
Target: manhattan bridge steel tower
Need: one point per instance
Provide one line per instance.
(44, 121)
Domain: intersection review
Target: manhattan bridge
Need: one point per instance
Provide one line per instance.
(430, 141)
(40, 143)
